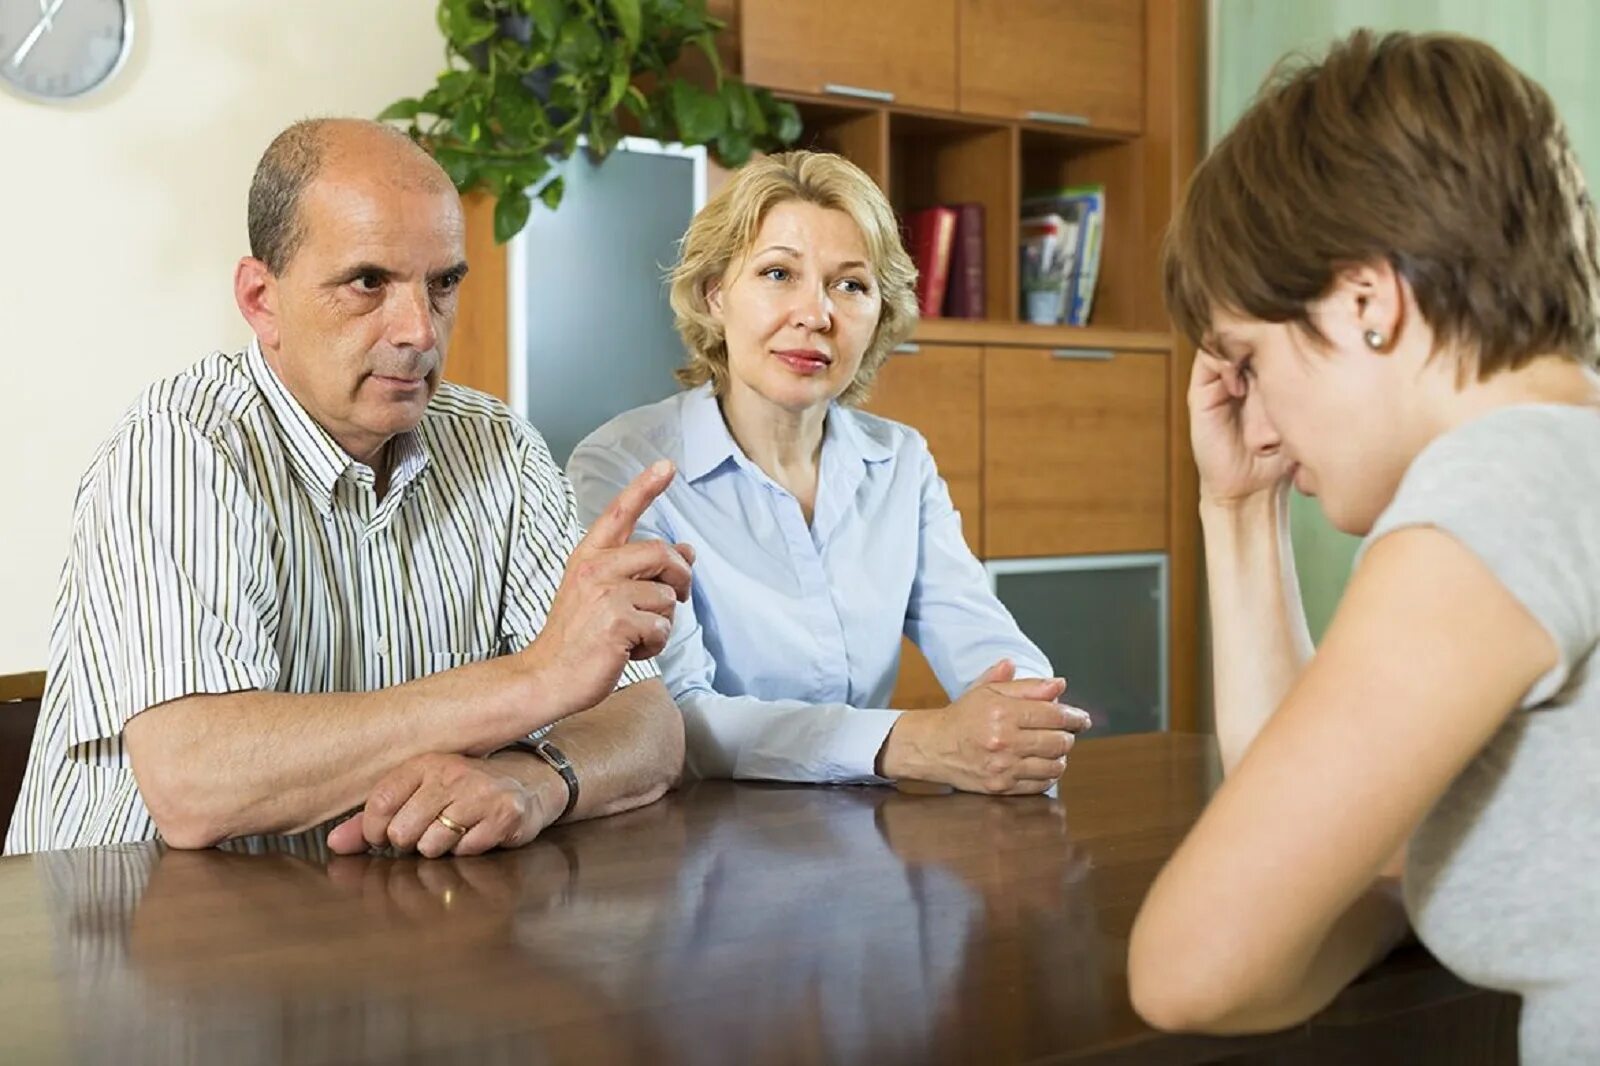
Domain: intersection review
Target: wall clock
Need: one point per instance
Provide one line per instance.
(54, 50)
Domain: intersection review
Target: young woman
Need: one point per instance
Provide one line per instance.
(1390, 267)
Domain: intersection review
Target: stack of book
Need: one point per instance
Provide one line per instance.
(1061, 236)
(946, 244)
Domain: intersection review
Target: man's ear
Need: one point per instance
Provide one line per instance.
(1367, 305)
(255, 290)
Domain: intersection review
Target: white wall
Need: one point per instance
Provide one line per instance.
(121, 218)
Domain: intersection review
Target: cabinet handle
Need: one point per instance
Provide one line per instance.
(1056, 118)
(1099, 355)
(859, 93)
(908, 348)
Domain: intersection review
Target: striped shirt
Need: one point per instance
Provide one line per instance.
(222, 541)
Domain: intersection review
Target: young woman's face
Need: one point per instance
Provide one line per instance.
(1344, 413)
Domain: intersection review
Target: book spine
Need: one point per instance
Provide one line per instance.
(933, 232)
(1083, 285)
(967, 274)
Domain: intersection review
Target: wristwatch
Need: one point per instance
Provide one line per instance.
(557, 761)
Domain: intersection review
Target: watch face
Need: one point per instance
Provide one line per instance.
(56, 49)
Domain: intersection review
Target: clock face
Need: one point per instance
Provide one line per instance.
(56, 49)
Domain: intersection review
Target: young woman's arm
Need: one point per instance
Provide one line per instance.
(1274, 902)
(1260, 643)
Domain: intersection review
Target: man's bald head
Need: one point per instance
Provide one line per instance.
(313, 148)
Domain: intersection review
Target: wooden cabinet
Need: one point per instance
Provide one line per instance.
(1073, 62)
(916, 688)
(1075, 451)
(900, 51)
(938, 389)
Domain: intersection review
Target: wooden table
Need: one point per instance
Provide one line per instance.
(726, 924)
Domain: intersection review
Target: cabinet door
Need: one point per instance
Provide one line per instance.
(1075, 451)
(937, 389)
(1101, 620)
(904, 50)
(1063, 61)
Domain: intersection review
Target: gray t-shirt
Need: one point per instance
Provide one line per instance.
(1503, 877)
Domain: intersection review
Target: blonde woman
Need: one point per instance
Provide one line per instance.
(1390, 264)
(821, 533)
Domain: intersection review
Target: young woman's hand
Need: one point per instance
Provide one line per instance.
(1235, 448)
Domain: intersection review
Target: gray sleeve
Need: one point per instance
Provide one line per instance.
(1520, 489)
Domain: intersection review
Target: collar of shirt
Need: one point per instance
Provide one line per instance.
(849, 445)
(315, 457)
(708, 444)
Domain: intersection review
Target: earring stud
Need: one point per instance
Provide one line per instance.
(1374, 339)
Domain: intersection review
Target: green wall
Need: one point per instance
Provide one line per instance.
(1554, 41)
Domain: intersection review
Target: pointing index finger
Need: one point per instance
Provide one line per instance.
(614, 526)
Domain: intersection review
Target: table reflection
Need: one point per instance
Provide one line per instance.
(726, 924)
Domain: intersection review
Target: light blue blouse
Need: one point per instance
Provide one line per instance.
(785, 656)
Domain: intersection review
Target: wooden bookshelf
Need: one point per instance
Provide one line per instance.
(1084, 436)
(945, 101)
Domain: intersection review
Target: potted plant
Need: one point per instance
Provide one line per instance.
(525, 79)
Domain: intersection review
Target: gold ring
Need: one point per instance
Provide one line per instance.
(450, 824)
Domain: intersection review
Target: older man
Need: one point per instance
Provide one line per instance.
(309, 577)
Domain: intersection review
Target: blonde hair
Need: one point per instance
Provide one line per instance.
(726, 227)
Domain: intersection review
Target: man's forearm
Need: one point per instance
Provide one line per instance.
(1260, 643)
(238, 764)
(626, 751)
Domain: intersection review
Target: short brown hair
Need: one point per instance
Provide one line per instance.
(727, 225)
(1428, 151)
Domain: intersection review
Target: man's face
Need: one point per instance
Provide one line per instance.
(362, 312)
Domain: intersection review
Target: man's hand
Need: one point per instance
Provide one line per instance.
(492, 808)
(615, 602)
(1003, 737)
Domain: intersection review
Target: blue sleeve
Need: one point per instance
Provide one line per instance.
(953, 615)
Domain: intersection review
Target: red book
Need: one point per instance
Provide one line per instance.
(964, 297)
(933, 232)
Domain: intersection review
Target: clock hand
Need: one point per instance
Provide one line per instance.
(46, 18)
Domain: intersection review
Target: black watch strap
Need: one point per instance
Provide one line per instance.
(558, 762)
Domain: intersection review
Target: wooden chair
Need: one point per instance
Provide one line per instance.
(19, 711)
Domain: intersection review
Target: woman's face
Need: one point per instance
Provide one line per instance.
(798, 308)
(1350, 418)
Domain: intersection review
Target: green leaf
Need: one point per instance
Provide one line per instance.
(461, 26)
(547, 16)
(552, 192)
(530, 172)
(786, 121)
(621, 81)
(700, 117)
(733, 96)
(453, 85)
(579, 45)
(628, 19)
(468, 120)
(603, 135)
(407, 108)
(708, 44)
(734, 148)
(510, 215)
(635, 101)
(461, 166)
